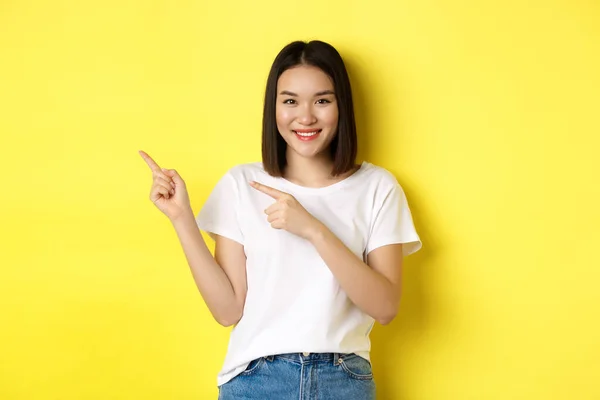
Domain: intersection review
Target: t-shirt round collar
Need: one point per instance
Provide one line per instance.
(326, 189)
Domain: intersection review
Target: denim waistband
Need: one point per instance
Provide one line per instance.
(334, 358)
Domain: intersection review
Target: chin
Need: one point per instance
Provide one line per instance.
(309, 153)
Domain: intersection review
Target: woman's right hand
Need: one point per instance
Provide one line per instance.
(168, 191)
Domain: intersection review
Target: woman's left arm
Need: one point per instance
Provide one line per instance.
(375, 287)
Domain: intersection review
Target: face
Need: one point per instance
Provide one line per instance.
(306, 111)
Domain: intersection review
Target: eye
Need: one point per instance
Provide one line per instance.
(289, 101)
(323, 101)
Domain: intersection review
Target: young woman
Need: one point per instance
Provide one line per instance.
(309, 245)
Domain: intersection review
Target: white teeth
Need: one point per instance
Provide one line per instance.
(306, 134)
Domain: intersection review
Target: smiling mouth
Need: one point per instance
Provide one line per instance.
(306, 134)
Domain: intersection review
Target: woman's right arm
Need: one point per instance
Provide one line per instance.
(221, 280)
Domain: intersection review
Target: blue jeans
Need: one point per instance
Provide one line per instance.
(296, 376)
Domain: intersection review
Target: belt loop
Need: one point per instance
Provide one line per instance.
(269, 358)
(336, 357)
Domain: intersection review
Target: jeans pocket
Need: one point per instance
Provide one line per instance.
(253, 366)
(356, 367)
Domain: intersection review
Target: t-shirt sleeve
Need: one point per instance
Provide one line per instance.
(220, 213)
(393, 224)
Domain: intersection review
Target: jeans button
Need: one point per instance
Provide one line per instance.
(306, 354)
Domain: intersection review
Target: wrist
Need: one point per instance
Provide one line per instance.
(317, 233)
(184, 217)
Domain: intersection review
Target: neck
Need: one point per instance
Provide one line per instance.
(312, 172)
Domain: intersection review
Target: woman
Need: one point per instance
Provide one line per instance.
(309, 245)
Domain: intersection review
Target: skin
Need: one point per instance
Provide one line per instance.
(221, 280)
(305, 101)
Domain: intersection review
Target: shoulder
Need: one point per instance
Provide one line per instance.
(245, 171)
(241, 175)
(379, 177)
(236, 179)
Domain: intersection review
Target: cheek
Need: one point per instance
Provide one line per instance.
(283, 116)
(330, 117)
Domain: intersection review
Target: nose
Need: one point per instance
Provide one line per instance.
(306, 115)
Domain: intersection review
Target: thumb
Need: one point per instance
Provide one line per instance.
(171, 173)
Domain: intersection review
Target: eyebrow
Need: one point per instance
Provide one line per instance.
(321, 93)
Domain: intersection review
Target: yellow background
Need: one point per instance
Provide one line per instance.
(486, 111)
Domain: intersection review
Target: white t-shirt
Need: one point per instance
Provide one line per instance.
(294, 303)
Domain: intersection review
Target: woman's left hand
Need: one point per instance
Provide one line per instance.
(288, 214)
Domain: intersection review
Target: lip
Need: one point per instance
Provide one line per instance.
(307, 130)
(306, 138)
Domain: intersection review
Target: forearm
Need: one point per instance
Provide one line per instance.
(372, 292)
(212, 282)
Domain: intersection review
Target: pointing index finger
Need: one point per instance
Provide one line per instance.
(151, 163)
(274, 193)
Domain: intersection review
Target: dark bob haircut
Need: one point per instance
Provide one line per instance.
(325, 57)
